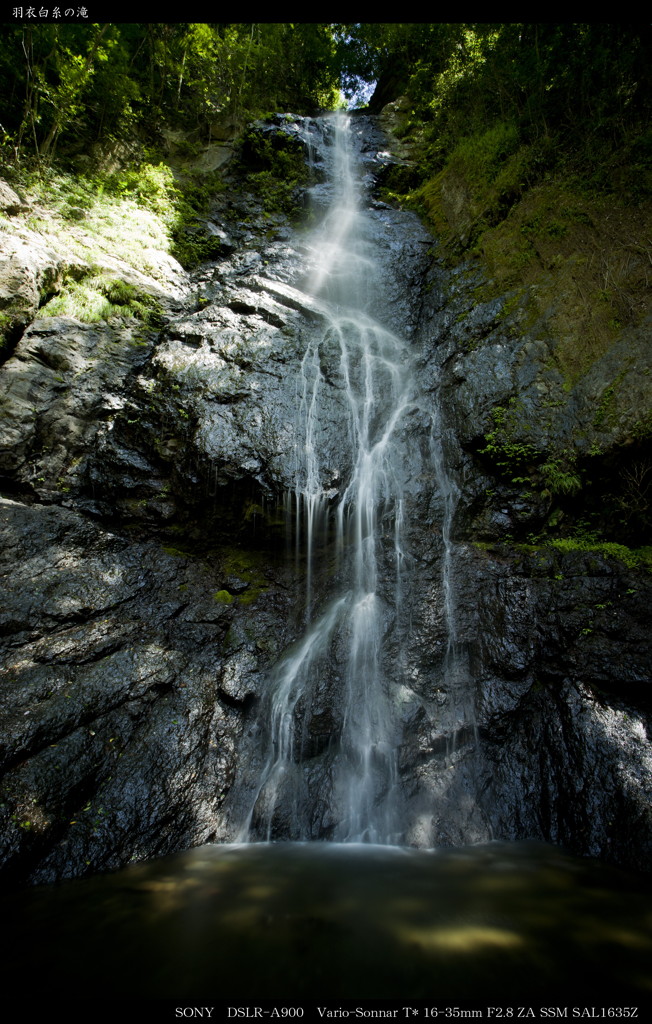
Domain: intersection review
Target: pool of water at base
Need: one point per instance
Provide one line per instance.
(303, 920)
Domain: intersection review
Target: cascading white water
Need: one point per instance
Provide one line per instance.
(454, 668)
(370, 367)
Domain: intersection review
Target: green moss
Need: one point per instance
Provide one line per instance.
(176, 552)
(125, 214)
(579, 255)
(277, 195)
(223, 597)
(120, 222)
(482, 177)
(152, 186)
(247, 565)
(191, 244)
(512, 304)
(645, 556)
(8, 322)
(630, 557)
(564, 244)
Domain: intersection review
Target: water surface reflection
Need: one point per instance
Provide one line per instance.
(494, 921)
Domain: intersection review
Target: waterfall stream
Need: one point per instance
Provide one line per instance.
(370, 368)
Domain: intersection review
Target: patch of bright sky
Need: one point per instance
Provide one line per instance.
(363, 93)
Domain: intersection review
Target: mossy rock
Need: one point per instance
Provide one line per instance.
(246, 566)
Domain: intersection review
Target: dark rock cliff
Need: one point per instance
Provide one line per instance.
(150, 578)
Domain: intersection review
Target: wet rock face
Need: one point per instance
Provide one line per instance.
(151, 575)
(562, 655)
(124, 685)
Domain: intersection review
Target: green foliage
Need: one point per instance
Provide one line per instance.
(533, 149)
(393, 55)
(645, 556)
(482, 155)
(150, 186)
(582, 84)
(8, 322)
(276, 169)
(67, 86)
(190, 244)
(99, 297)
(508, 453)
(124, 213)
(276, 195)
(115, 222)
(560, 479)
(605, 412)
(560, 245)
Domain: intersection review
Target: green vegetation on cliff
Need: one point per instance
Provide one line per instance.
(528, 146)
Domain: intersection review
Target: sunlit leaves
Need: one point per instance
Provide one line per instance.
(68, 83)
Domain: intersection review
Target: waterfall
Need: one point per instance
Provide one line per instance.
(353, 524)
(363, 735)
